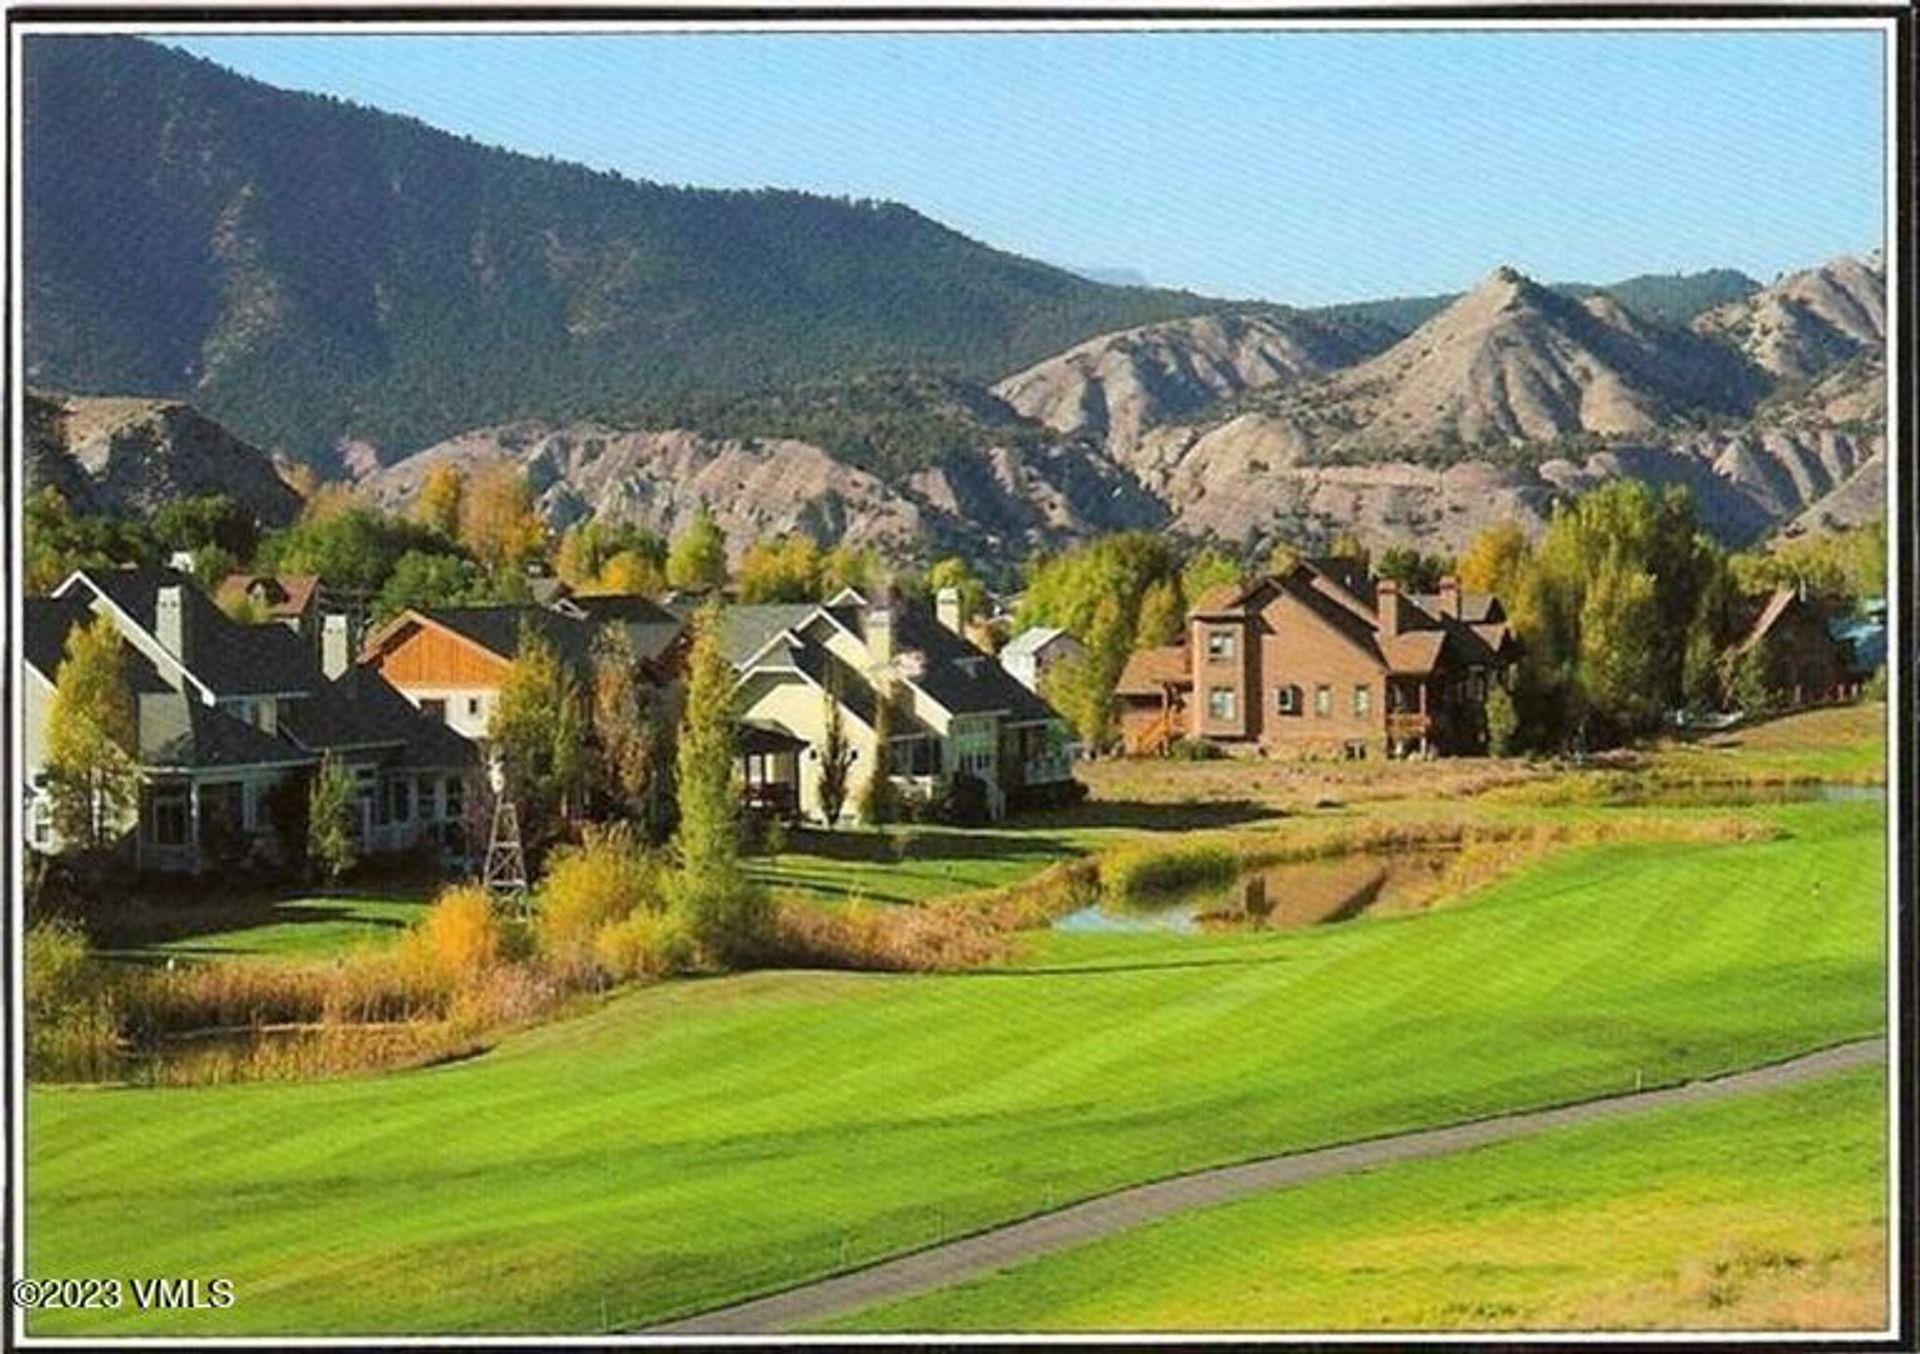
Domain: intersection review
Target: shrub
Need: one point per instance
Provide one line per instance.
(924, 938)
(644, 944)
(1132, 874)
(72, 1027)
(1875, 688)
(590, 886)
(460, 937)
(1194, 750)
(727, 915)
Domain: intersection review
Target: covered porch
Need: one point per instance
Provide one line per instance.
(769, 757)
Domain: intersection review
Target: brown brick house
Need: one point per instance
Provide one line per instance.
(1322, 660)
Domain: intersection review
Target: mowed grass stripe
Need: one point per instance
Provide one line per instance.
(692, 1144)
(1766, 1211)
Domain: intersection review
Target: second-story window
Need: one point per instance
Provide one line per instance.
(1363, 699)
(1286, 700)
(1219, 645)
(1322, 701)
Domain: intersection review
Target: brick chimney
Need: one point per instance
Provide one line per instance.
(947, 606)
(1450, 597)
(336, 644)
(1386, 605)
(173, 623)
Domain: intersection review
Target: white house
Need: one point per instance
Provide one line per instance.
(1029, 654)
(954, 709)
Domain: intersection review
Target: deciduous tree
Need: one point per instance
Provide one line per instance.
(697, 557)
(92, 727)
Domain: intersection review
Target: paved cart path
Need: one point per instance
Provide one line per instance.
(950, 1262)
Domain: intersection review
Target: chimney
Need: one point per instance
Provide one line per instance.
(336, 645)
(1450, 597)
(1386, 603)
(172, 625)
(181, 560)
(946, 605)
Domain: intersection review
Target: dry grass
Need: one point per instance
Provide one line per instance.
(927, 938)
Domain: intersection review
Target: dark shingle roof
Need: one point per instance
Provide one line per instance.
(498, 630)
(47, 621)
(231, 659)
(745, 629)
(959, 676)
(178, 731)
(361, 709)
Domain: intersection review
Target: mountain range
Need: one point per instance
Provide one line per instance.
(371, 296)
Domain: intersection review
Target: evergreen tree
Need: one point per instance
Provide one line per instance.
(726, 913)
(330, 814)
(878, 804)
(92, 727)
(836, 756)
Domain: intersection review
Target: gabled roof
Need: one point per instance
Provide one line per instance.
(361, 709)
(1150, 671)
(1413, 652)
(45, 624)
(498, 630)
(178, 732)
(961, 678)
(283, 595)
(1776, 607)
(228, 658)
(1032, 640)
(747, 628)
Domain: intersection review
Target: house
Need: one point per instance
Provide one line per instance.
(1029, 655)
(293, 600)
(231, 721)
(1800, 660)
(954, 709)
(1322, 660)
(1862, 637)
(451, 661)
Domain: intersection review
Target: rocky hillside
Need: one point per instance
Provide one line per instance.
(129, 456)
(320, 276)
(993, 503)
(1118, 385)
(1808, 321)
(1511, 395)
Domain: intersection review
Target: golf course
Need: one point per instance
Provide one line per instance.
(679, 1146)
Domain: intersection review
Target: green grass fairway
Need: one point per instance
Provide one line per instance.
(695, 1142)
(272, 930)
(1763, 1212)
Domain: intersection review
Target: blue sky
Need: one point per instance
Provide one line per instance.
(1291, 166)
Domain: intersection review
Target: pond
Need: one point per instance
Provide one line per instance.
(1281, 897)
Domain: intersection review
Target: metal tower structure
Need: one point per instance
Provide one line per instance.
(505, 872)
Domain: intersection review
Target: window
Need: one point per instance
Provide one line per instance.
(1286, 700)
(473, 705)
(435, 709)
(1363, 699)
(423, 795)
(1219, 645)
(1220, 702)
(1322, 701)
(455, 791)
(399, 801)
(167, 816)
